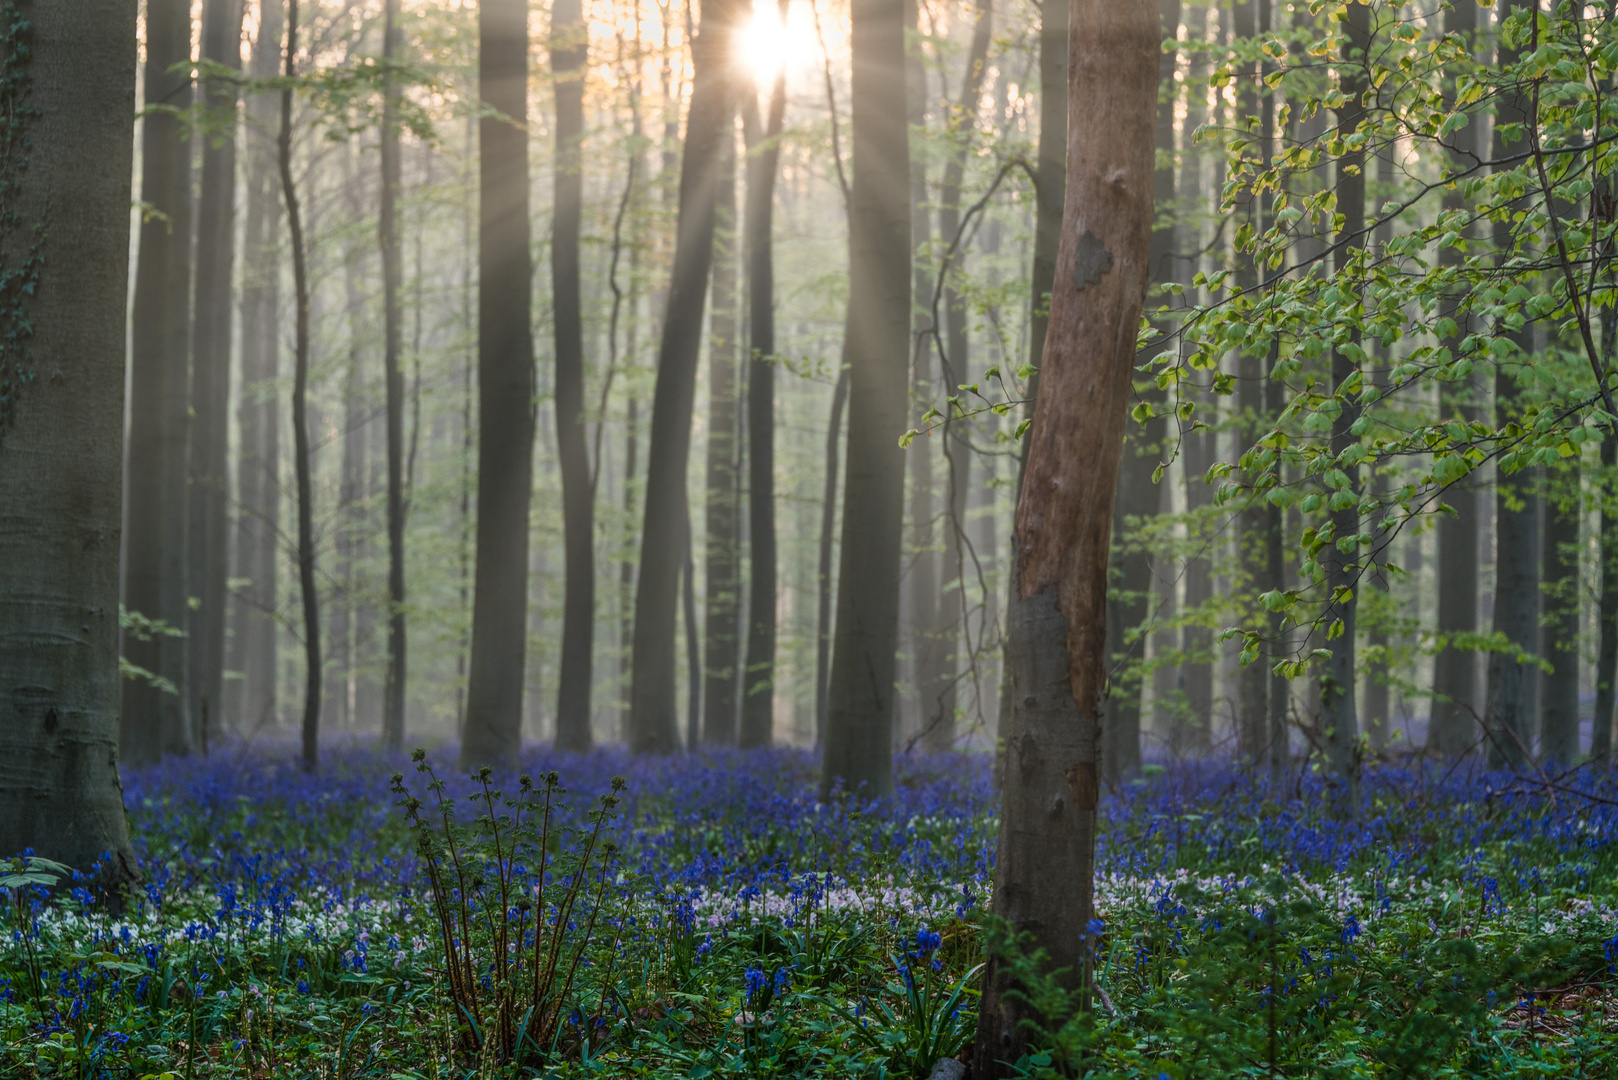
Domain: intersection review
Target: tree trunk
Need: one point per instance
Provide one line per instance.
(918, 591)
(66, 151)
(938, 685)
(1045, 860)
(1607, 610)
(568, 59)
(505, 393)
(722, 675)
(252, 645)
(156, 585)
(1339, 717)
(1508, 702)
(1559, 735)
(626, 568)
(859, 725)
(1052, 172)
(693, 642)
(302, 454)
(828, 521)
(653, 709)
(210, 380)
(393, 699)
(758, 680)
(352, 525)
(1129, 605)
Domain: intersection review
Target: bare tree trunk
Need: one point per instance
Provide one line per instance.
(653, 720)
(722, 644)
(1339, 716)
(1452, 727)
(693, 643)
(1044, 865)
(210, 380)
(393, 699)
(764, 153)
(569, 49)
(919, 581)
(859, 726)
(339, 709)
(303, 458)
(1508, 701)
(939, 685)
(157, 722)
(626, 567)
(1138, 493)
(1607, 605)
(1559, 733)
(828, 520)
(66, 154)
(258, 522)
(505, 393)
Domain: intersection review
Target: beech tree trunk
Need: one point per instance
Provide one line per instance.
(721, 638)
(302, 455)
(939, 684)
(1044, 863)
(1559, 629)
(653, 708)
(1129, 605)
(828, 524)
(859, 726)
(1452, 728)
(393, 695)
(1607, 605)
(156, 583)
(505, 393)
(66, 146)
(568, 60)
(1339, 717)
(210, 380)
(763, 157)
(252, 660)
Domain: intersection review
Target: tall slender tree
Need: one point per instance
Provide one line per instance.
(210, 371)
(763, 162)
(1559, 709)
(155, 722)
(67, 77)
(1453, 721)
(1339, 716)
(653, 724)
(393, 695)
(1044, 864)
(569, 55)
(302, 453)
(505, 391)
(722, 634)
(940, 682)
(859, 725)
(252, 647)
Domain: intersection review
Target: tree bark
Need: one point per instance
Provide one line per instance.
(393, 698)
(66, 152)
(1559, 630)
(1339, 715)
(1508, 701)
(505, 393)
(1044, 863)
(1129, 606)
(1607, 605)
(939, 684)
(653, 709)
(918, 589)
(859, 727)
(828, 524)
(569, 48)
(763, 157)
(721, 640)
(302, 454)
(252, 656)
(156, 584)
(210, 378)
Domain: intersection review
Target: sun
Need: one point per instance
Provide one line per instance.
(766, 44)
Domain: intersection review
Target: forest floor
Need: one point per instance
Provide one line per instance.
(720, 921)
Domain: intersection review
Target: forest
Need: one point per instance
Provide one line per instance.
(881, 539)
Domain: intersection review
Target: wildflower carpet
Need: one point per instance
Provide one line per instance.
(707, 916)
